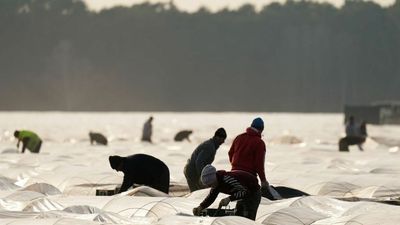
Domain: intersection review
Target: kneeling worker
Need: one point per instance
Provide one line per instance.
(141, 169)
(240, 185)
(30, 140)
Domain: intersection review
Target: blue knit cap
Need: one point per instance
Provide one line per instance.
(258, 123)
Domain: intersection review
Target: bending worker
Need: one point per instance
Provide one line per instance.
(355, 135)
(240, 185)
(29, 139)
(141, 169)
(204, 154)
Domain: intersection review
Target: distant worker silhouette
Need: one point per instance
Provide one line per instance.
(97, 138)
(355, 135)
(183, 135)
(29, 139)
(147, 130)
(204, 154)
(141, 169)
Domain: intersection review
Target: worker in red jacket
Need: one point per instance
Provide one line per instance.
(247, 152)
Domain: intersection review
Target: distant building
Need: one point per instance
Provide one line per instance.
(375, 113)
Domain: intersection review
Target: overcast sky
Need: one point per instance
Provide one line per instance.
(213, 5)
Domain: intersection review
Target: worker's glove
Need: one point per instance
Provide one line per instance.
(18, 145)
(197, 211)
(224, 202)
(264, 184)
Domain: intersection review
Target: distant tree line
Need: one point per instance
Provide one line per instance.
(297, 56)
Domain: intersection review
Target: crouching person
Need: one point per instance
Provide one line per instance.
(240, 185)
(29, 139)
(141, 169)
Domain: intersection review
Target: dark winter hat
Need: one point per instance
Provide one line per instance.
(258, 123)
(220, 133)
(115, 160)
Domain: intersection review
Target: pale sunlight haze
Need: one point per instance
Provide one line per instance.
(212, 5)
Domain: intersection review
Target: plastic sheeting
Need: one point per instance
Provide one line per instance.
(58, 185)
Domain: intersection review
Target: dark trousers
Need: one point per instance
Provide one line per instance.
(192, 178)
(37, 148)
(161, 183)
(248, 207)
(345, 142)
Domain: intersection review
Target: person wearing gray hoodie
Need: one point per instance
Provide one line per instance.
(203, 155)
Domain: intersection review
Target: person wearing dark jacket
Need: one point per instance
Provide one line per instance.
(247, 152)
(97, 138)
(147, 130)
(183, 135)
(355, 135)
(141, 169)
(239, 185)
(204, 154)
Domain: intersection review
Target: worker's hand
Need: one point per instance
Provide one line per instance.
(224, 202)
(264, 184)
(197, 211)
(265, 190)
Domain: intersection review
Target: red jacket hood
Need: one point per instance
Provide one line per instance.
(253, 132)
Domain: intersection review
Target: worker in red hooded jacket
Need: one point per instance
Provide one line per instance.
(247, 152)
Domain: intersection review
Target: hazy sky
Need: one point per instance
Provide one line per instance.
(213, 5)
